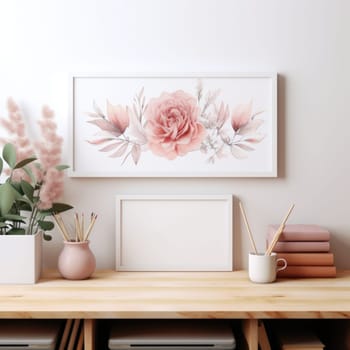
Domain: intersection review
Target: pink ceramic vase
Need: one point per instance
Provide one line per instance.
(76, 261)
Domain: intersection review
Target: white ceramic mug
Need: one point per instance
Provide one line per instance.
(263, 268)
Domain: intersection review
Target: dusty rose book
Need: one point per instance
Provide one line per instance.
(301, 247)
(311, 259)
(308, 271)
(299, 232)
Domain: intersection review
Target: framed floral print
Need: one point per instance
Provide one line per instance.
(174, 126)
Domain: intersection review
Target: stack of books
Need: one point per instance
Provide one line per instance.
(306, 249)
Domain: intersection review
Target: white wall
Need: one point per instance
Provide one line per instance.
(306, 42)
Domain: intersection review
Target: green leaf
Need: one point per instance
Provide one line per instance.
(30, 174)
(24, 162)
(47, 237)
(16, 186)
(27, 189)
(16, 231)
(57, 208)
(24, 204)
(1, 165)
(8, 195)
(62, 167)
(14, 217)
(46, 225)
(9, 154)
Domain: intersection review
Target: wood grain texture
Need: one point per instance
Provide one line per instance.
(110, 294)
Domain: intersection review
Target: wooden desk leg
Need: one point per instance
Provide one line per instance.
(250, 331)
(89, 334)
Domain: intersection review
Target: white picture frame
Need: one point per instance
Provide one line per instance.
(174, 233)
(117, 125)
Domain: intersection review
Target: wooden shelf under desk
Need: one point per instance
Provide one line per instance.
(110, 294)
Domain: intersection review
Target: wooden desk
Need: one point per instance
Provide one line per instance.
(229, 295)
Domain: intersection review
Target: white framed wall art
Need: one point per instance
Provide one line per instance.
(174, 126)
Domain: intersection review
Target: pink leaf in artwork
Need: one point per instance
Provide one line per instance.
(121, 150)
(241, 115)
(99, 141)
(136, 153)
(238, 152)
(118, 116)
(111, 146)
(251, 127)
(105, 125)
(258, 137)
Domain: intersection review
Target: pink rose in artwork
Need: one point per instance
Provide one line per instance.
(172, 125)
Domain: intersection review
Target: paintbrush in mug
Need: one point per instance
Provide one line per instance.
(278, 232)
(251, 239)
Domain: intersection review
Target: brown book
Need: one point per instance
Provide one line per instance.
(308, 271)
(308, 259)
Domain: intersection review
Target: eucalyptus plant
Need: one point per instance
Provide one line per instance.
(20, 210)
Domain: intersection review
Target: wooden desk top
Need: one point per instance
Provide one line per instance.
(110, 294)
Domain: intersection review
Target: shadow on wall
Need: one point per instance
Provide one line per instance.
(281, 126)
(341, 249)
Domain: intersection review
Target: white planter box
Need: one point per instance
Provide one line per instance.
(20, 258)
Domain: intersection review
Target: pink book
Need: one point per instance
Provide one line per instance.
(301, 247)
(299, 232)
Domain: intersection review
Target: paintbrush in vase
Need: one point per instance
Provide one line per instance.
(80, 235)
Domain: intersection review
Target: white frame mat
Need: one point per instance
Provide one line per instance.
(174, 233)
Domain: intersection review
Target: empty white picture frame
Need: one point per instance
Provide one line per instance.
(174, 233)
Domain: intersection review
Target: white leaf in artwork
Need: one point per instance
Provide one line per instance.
(251, 127)
(120, 151)
(137, 131)
(111, 146)
(92, 115)
(238, 152)
(136, 153)
(245, 147)
(98, 110)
